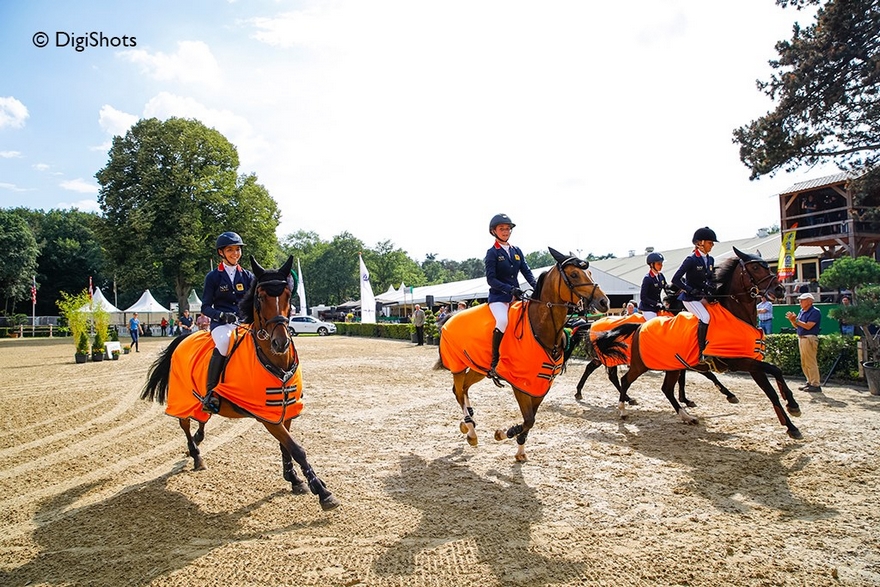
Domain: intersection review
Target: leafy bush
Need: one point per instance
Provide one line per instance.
(82, 344)
(77, 321)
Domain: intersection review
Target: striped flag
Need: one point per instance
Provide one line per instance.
(785, 267)
(34, 291)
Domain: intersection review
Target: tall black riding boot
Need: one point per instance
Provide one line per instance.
(702, 330)
(497, 335)
(211, 403)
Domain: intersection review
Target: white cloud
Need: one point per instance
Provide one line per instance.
(79, 185)
(12, 113)
(41, 167)
(192, 64)
(10, 154)
(11, 187)
(115, 122)
(82, 205)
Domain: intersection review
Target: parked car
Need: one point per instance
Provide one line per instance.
(310, 325)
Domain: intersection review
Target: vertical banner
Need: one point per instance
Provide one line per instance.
(368, 302)
(301, 290)
(33, 304)
(785, 267)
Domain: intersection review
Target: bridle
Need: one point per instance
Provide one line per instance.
(280, 318)
(584, 301)
(755, 290)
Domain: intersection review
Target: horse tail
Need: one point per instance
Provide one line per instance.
(156, 388)
(611, 343)
(439, 366)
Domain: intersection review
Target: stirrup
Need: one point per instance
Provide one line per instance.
(211, 403)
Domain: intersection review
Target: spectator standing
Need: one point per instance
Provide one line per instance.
(807, 323)
(418, 320)
(186, 323)
(164, 326)
(203, 322)
(134, 330)
(765, 314)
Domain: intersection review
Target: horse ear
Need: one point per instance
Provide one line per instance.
(288, 265)
(741, 255)
(256, 268)
(559, 257)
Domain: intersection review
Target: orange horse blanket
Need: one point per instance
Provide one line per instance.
(245, 382)
(607, 323)
(663, 339)
(466, 342)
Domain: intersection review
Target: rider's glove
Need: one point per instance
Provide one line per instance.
(517, 293)
(228, 318)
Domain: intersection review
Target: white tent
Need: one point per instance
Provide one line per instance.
(148, 305)
(98, 300)
(195, 304)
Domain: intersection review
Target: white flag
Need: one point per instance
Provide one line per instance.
(368, 302)
(301, 290)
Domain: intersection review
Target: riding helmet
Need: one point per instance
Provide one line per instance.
(229, 238)
(705, 234)
(500, 219)
(655, 258)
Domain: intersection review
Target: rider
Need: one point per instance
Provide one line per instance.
(653, 286)
(504, 263)
(224, 289)
(695, 278)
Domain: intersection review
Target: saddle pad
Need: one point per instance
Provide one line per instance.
(245, 382)
(466, 343)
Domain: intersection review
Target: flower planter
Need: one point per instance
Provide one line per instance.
(872, 375)
(80, 357)
(126, 351)
(115, 356)
(98, 356)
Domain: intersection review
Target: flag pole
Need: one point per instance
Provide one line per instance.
(33, 306)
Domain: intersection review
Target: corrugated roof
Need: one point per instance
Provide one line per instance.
(817, 183)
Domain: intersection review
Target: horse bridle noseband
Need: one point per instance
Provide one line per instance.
(583, 301)
(755, 290)
(276, 321)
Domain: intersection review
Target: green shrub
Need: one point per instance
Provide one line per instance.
(82, 344)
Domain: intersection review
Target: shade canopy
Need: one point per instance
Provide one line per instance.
(147, 304)
(99, 301)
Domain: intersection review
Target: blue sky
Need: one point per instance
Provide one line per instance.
(598, 127)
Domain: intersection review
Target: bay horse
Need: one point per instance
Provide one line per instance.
(741, 280)
(584, 333)
(261, 377)
(532, 350)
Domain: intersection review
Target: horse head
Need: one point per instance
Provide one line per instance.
(764, 281)
(578, 279)
(271, 304)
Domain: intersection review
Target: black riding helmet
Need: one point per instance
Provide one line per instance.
(705, 234)
(499, 219)
(229, 238)
(655, 258)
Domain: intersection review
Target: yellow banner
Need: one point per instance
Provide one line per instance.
(785, 268)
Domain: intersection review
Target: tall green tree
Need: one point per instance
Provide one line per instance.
(826, 86)
(337, 276)
(69, 254)
(390, 266)
(169, 188)
(18, 264)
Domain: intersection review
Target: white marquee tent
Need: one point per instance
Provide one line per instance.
(195, 304)
(98, 300)
(148, 305)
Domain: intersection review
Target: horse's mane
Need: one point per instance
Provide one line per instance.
(724, 274)
(246, 306)
(536, 294)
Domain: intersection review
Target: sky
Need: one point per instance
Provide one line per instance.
(598, 127)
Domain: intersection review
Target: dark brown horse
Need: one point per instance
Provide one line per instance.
(261, 378)
(532, 349)
(741, 280)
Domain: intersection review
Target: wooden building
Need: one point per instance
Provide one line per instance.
(824, 214)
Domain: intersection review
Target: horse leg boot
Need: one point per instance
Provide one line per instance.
(497, 335)
(211, 403)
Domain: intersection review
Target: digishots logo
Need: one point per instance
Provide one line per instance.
(80, 43)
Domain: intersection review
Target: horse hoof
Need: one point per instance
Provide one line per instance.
(521, 458)
(472, 440)
(733, 399)
(199, 466)
(796, 434)
(300, 488)
(500, 435)
(632, 402)
(328, 503)
(796, 412)
(578, 396)
(463, 427)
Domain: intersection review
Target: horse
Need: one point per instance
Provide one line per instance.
(261, 378)
(532, 350)
(740, 281)
(597, 360)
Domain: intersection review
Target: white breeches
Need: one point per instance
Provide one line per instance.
(222, 335)
(499, 310)
(697, 309)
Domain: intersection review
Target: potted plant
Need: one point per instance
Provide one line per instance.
(412, 331)
(98, 347)
(82, 348)
(115, 355)
(430, 327)
(126, 349)
(861, 276)
(74, 311)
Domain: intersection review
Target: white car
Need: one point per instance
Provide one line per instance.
(310, 325)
